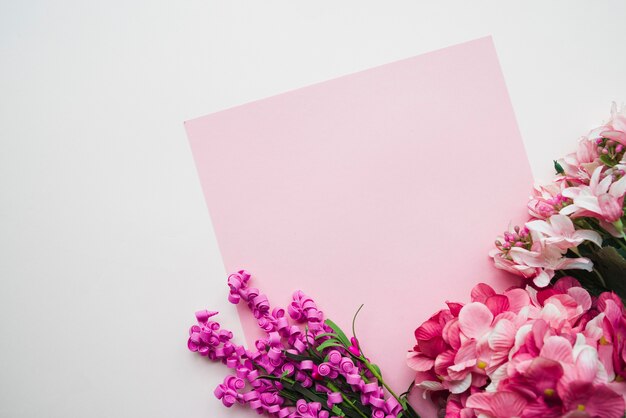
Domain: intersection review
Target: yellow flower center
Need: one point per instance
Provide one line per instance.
(549, 392)
(481, 365)
(603, 341)
(619, 378)
(581, 407)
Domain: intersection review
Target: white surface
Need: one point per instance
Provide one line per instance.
(107, 248)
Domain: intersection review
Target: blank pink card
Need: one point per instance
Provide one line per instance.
(386, 187)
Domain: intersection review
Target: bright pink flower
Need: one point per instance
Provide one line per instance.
(527, 353)
(584, 399)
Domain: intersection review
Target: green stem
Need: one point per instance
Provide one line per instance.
(620, 242)
(332, 387)
(380, 379)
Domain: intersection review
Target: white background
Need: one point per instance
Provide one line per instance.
(106, 245)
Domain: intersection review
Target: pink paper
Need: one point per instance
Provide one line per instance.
(386, 187)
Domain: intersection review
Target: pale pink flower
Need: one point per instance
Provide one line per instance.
(546, 200)
(578, 166)
(615, 128)
(559, 231)
(586, 199)
(547, 258)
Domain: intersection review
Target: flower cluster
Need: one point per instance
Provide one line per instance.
(576, 216)
(304, 367)
(525, 353)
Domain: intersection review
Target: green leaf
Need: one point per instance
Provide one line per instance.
(340, 334)
(607, 160)
(558, 168)
(375, 367)
(326, 334)
(612, 266)
(296, 357)
(328, 343)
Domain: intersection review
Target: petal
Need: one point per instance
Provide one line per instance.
(557, 348)
(581, 296)
(589, 235)
(475, 320)
(481, 292)
(618, 189)
(587, 364)
(460, 386)
(565, 283)
(419, 362)
(527, 258)
(540, 226)
(606, 403)
(518, 298)
(562, 224)
(497, 304)
(430, 385)
(503, 336)
(574, 264)
(543, 279)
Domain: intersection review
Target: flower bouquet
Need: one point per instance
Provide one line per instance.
(552, 346)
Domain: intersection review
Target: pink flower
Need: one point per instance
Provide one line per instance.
(547, 259)
(584, 399)
(615, 128)
(547, 200)
(559, 231)
(578, 166)
(527, 353)
(538, 250)
(586, 199)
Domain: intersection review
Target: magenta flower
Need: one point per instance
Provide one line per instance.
(526, 353)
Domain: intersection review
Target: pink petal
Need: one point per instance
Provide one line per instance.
(518, 298)
(443, 361)
(419, 362)
(475, 320)
(543, 279)
(545, 294)
(540, 226)
(428, 330)
(581, 296)
(574, 264)
(589, 235)
(587, 364)
(430, 385)
(615, 136)
(498, 404)
(606, 403)
(557, 348)
(452, 334)
(503, 336)
(460, 386)
(508, 404)
(565, 283)
(497, 304)
(562, 224)
(618, 189)
(608, 296)
(454, 307)
(481, 292)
